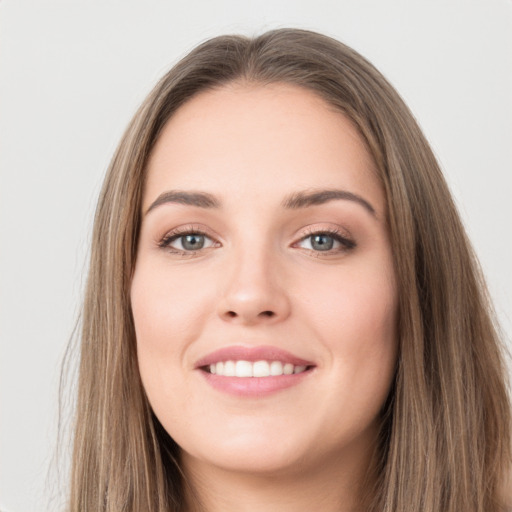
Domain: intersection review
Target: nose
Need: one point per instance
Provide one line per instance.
(254, 291)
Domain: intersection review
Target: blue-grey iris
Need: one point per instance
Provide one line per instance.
(322, 242)
(192, 242)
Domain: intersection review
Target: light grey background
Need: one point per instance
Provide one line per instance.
(71, 75)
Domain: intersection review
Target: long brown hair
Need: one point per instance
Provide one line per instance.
(445, 439)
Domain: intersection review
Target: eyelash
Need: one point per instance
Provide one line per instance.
(346, 243)
(177, 233)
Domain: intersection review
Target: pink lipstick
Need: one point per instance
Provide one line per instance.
(253, 371)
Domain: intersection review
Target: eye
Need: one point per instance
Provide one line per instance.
(326, 241)
(188, 242)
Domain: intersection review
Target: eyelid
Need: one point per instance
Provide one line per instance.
(187, 229)
(340, 234)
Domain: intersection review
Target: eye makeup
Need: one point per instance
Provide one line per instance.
(189, 240)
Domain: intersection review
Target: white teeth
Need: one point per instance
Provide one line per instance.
(229, 369)
(243, 369)
(256, 369)
(260, 369)
(276, 368)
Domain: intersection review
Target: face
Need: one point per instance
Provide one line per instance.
(264, 295)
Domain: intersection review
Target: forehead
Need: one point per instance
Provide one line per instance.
(266, 140)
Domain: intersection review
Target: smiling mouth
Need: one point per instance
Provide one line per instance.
(253, 371)
(256, 369)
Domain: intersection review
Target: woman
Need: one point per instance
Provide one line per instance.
(283, 310)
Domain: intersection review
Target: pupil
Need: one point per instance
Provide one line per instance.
(193, 242)
(322, 242)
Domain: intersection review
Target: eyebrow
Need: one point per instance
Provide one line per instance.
(199, 199)
(313, 198)
(294, 201)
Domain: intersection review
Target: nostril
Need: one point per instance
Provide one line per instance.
(262, 314)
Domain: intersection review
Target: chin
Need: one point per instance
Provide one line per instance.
(256, 453)
(250, 461)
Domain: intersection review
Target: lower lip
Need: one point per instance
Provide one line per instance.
(255, 387)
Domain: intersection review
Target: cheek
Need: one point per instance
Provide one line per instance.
(360, 299)
(168, 310)
(354, 313)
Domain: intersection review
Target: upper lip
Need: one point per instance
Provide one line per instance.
(251, 354)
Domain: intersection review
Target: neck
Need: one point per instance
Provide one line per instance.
(333, 485)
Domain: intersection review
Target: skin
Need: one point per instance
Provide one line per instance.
(259, 281)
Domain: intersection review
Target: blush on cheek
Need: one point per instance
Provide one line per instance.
(362, 315)
(168, 316)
